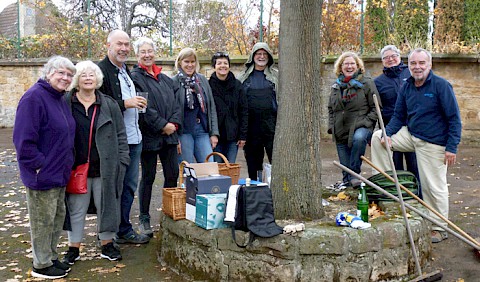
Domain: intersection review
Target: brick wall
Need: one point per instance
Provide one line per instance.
(463, 72)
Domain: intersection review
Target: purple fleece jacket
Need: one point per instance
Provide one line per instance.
(43, 136)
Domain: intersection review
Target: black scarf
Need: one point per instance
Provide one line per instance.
(192, 86)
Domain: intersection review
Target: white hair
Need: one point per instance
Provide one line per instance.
(55, 63)
(142, 41)
(389, 48)
(81, 68)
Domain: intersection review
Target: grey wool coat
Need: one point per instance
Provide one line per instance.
(112, 146)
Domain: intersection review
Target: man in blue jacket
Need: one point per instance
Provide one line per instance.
(426, 121)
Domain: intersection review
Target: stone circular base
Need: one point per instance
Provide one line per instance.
(323, 252)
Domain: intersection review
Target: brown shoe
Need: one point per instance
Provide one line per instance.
(438, 236)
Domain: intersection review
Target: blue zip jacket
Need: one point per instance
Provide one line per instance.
(430, 112)
(388, 84)
(43, 136)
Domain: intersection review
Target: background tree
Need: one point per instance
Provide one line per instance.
(296, 175)
(199, 24)
(449, 19)
(340, 27)
(471, 28)
(378, 21)
(411, 23)
(143, 17)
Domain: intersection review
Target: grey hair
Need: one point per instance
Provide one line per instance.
(142, 41)
(56, 63)
(184, 53)
(81, 68)
(389, 48)
(115, 32)
(419, 50)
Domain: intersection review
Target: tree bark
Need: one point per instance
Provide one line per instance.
(296, 170)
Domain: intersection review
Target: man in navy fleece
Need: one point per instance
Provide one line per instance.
(426, 121)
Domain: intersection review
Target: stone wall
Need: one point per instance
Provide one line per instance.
(323, 252)
(463, 72)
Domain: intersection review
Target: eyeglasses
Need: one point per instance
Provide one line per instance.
(349, 64)
(63, 74)
(145, 52)
(221, 54)
(391, 57)
(259, 54)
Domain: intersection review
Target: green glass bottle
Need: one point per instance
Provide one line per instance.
(362, 204)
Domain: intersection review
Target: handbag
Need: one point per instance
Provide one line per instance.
(78, 177)
(250, 209)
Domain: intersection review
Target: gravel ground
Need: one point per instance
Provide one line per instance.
(455, 259)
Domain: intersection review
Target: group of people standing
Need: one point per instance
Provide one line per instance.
(421, 117)
(90, 112)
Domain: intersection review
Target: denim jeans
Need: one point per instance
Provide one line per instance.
(195, 146)
(227, 148)
(350, 156)
(130, 184)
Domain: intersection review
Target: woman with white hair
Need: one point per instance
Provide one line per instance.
(394, 75)
(159, 126)
(43, 136)
(199, 130)
(108, 157)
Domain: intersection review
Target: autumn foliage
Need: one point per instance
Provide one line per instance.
(210, 26)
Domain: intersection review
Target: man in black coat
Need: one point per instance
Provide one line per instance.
(118, 84)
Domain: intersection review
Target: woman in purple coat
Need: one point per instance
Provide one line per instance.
(43, 136)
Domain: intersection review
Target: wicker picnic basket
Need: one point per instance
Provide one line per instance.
(226, 168)
(174, 199)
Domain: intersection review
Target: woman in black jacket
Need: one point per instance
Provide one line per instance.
(159, 126)
(231, 105)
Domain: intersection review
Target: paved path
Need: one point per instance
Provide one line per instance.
(454, 258)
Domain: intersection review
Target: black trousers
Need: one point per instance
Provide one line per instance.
(169, 158)
(254, 154)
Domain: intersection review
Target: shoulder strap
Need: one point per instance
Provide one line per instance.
(91, 131)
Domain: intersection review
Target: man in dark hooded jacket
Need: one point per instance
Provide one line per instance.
(260, 82)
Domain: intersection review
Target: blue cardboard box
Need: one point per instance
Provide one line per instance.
(204, 185)
(210, 211)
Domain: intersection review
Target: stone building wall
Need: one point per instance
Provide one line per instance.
(463, 72)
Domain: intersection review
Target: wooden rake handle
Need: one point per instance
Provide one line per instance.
(421, 202)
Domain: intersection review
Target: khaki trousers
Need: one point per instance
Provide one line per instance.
(431, 167)
(46, 210)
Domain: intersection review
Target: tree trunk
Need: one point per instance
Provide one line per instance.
(296, 170)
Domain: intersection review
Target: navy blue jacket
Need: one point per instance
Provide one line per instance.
(430, 112)
(388, 84)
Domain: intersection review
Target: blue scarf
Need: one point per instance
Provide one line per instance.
(349, 86)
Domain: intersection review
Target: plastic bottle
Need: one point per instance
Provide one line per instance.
(247, 182)
(362, 204)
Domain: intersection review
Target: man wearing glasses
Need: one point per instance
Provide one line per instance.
(426, 121)
(394, 75)
(260, 82)
(118, 84)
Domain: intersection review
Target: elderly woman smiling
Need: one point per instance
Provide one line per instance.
(43, 135)
(108, 157)
(159, 126)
